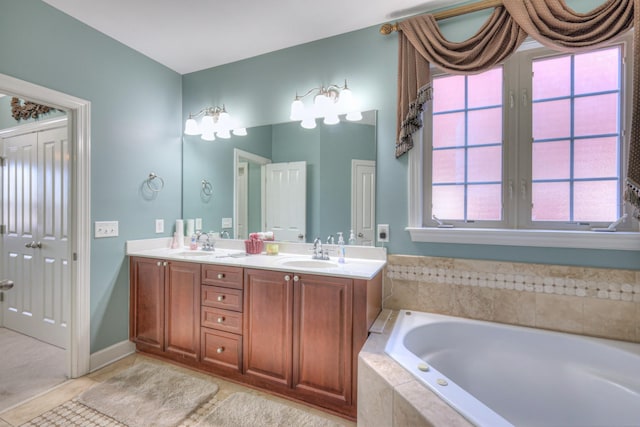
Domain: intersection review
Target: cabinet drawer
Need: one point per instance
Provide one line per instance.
(223, 320)
(218, 275)
(225, 298)
(221, 349)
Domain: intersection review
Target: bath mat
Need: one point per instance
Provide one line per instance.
(248, 410)
(73, 414)
(149, 395)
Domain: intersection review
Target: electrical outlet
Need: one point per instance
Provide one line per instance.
(159, 225)
(106, 229)
(383, 232)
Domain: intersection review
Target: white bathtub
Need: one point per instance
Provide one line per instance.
(498, 375)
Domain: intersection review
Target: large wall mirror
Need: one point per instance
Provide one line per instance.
(299, 183)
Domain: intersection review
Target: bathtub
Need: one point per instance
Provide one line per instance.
(498, 375)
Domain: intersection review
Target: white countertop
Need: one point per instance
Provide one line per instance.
(231, 252)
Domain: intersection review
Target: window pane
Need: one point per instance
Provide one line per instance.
(596, 115)
(448, 93)
(551, 119)
(595, 201)
(484, 202)
(448, 130)
(596, 158)
(551, 77)
(485, 89)
(550, 201)
(551, 160)
(448, 166)
(448, 201)
(485, 164)
(485, 126)
(596, 71)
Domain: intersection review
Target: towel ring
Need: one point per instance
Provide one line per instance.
(155, 188)
(207, 188)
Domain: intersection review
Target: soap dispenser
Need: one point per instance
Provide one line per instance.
(352, 238)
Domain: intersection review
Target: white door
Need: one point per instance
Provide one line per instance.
(363, 200)
(242, 217)
(36, 253)
(286, 200)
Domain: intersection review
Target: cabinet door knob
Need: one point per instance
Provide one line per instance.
(287, 277)
(220, 275)
(296, 278)
(159, 263)
(165, 263)
(220, 350)
(220, 297)
(220, 319)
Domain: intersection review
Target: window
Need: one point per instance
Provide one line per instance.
(536, 143)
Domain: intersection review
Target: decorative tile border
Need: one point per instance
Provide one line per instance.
(519, 282)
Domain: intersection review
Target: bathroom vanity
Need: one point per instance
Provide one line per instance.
(284, 324)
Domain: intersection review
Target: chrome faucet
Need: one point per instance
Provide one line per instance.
(209, 244)
(224, 234)
(318, 253)
(330, 240)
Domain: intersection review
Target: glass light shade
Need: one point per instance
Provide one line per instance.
(224, 121)
(224, 134)
(191, 127)
(308, 123)
(345, 102)
(208, 136)
(297, 110)
(321, 104)
(331, 119)
(207, 125)
(240, 131)
(354, 116)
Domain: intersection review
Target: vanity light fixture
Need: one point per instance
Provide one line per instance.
(328, 102)
(215, 122)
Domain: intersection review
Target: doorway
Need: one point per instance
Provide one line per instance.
(77, 353)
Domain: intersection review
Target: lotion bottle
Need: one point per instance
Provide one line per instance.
(341, 249)
(352, 238)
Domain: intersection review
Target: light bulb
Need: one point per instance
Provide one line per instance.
(297, 110)
(308, 123)
(208, 136)
(224, 121)
(331, 119)
(224, 134)
(240, 131)
(345, 102)
(191, 127)
(354, 116)
(321, 104)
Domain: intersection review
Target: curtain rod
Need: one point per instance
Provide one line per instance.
(387, 29)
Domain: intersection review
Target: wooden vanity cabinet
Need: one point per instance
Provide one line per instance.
(165, 307)
(300, 338)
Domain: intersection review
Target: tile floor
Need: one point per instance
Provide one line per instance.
(72, 388)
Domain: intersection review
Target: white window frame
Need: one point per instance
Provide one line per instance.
(422, 229)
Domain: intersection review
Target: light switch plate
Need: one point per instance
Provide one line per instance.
(227, 222)
(159, 225)
(106, 229)
(198, 223)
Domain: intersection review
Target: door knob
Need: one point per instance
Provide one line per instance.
(6, 284)
(360, 235)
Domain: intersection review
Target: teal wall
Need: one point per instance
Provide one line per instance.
(137, 116)
(369, 62)
(136, 126)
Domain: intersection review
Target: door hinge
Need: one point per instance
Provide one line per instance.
(3, 229)
(74, 256)
(1, 296)
(2, 159)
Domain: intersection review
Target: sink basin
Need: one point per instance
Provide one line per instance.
(195, 253)
(309, 263)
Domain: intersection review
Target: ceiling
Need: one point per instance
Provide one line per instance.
(192, 35)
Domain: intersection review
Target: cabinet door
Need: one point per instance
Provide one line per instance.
(322, 345)
(182, 322)
(267, 338)
(147, 302)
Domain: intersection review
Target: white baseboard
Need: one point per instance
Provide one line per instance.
(110, 354)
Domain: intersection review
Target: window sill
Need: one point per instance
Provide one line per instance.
(619, 240)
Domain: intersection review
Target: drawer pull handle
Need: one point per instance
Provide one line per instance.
(220, 275)
(220, 298)
(220, 319)
(220, 350)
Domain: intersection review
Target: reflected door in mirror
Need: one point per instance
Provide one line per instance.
(286, 200)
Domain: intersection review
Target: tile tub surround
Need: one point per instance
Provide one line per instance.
(590, 301)
(388, 395)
